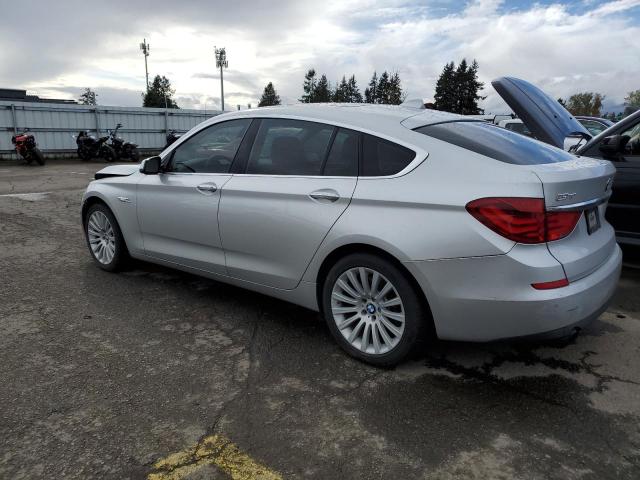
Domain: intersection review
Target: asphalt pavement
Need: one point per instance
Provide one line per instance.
(154, 373)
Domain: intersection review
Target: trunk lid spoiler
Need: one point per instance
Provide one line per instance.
(549, 121)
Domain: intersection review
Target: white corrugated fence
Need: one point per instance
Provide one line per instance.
(53, 124)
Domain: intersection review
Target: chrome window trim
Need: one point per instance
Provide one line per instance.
(420, 153)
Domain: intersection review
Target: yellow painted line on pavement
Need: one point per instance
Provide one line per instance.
(216, 450)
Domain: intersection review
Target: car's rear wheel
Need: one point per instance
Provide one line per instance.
(104, 238)
(372, 309)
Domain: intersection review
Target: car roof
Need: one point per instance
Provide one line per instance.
(391, 119)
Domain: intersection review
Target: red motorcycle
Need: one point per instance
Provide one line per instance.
(25, 144)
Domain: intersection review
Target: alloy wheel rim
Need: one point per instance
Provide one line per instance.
(101, 237)
(368, 310)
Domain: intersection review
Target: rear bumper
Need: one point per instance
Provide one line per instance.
(490, 298)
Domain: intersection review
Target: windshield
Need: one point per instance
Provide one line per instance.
(495, 142)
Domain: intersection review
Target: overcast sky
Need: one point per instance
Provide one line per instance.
(56, 49)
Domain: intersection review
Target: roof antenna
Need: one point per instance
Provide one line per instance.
(414, 103)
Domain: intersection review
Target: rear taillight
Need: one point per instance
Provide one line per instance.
(523, 220)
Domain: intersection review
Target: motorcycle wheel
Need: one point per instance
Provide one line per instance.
(134, 155)
(108, 154)
(84, 154)
(37, 154)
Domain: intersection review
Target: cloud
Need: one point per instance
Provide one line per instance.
(563, 47)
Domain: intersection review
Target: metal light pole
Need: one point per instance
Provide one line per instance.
(146, 48)
(221, 62)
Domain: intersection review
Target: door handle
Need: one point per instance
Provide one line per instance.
(207, 188)
(325, 195)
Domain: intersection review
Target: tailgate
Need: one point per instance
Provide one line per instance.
(582, 185)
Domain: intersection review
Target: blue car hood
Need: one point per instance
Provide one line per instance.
(549, 121)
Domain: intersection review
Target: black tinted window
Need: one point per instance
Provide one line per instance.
(289, 147)
(343, 156)
(381, 157)
(210, 150)
(495, 142)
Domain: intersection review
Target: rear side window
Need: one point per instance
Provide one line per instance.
(343, 156)
(381, 157)
(289, 147)
(495, 142)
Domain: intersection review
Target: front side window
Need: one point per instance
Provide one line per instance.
(210, 150)
(632, 146)
(381, 157)
(595, 128)
(289, 147)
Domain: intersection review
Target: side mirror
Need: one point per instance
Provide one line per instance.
(611, 146)
(151, 166)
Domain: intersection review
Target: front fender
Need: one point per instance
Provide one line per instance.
(119, 194)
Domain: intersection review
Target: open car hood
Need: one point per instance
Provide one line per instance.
(549, 121)
(117, 171)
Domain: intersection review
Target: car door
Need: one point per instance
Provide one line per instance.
(299, 178)
(178, 208)
(623, 211)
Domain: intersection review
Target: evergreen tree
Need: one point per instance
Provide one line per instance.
(371, 92)
(309, 87)
(469, 86)
(354, 92)
(382, 91)
(445, 95)
(88, 97)
(322, 91)
(457, 89)
(396, 97)
(159, 94)
(341, 94)
(269, 96)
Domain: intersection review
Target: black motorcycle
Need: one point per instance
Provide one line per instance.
(123, 149)
(91, 147)
(172, 136)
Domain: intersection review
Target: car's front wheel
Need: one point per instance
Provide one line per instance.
(372, 309)
(104, 238)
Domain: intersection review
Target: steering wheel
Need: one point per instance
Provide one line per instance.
(220, 160)
(186, 166)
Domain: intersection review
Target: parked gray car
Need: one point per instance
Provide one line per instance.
(397, 224)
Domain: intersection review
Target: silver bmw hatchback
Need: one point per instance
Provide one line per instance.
(397, 224)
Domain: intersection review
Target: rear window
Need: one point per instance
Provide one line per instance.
(381, 157)
(495, 142)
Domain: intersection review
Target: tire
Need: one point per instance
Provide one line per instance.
(108, 154)
(395, 338)
(37, 154)
(134, 155)
(84, 154)
(95, 229)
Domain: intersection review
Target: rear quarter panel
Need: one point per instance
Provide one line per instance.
(421, 215)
